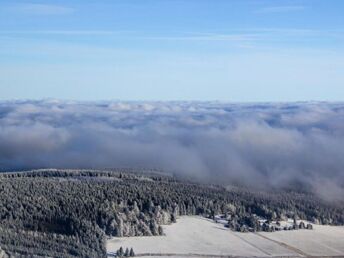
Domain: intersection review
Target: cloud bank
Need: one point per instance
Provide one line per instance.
(254, 144)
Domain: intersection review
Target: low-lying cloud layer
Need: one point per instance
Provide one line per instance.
(255, 144)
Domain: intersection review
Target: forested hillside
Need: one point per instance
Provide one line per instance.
(69, 213)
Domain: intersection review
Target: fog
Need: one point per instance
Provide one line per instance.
(259, 145)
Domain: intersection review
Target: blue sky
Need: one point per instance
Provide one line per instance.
(239, 50)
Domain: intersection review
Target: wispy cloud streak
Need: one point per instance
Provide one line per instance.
(281, 9)
(64, 32)
(235, 37)
(245, 36)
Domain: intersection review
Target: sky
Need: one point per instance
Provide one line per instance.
(226, 50)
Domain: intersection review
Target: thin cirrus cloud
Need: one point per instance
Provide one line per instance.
(208, 37)
(248, 35)
(40, 9)
(227, 37)
(281, 9)
(64, 32)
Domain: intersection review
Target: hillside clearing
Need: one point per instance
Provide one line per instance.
(192, 236)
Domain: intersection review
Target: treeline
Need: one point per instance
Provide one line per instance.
(69, 213)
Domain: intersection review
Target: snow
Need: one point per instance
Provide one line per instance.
(193, 235)
(322, 240)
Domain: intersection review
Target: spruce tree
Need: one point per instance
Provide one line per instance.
(126, 254)
(120, 251)
(131, 253)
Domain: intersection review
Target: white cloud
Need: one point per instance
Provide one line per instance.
(256, 144)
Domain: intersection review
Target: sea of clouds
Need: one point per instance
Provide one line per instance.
(261, 145)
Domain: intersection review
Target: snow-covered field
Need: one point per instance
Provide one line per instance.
(195, 236)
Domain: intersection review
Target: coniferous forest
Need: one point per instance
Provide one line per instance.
(70, 213)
